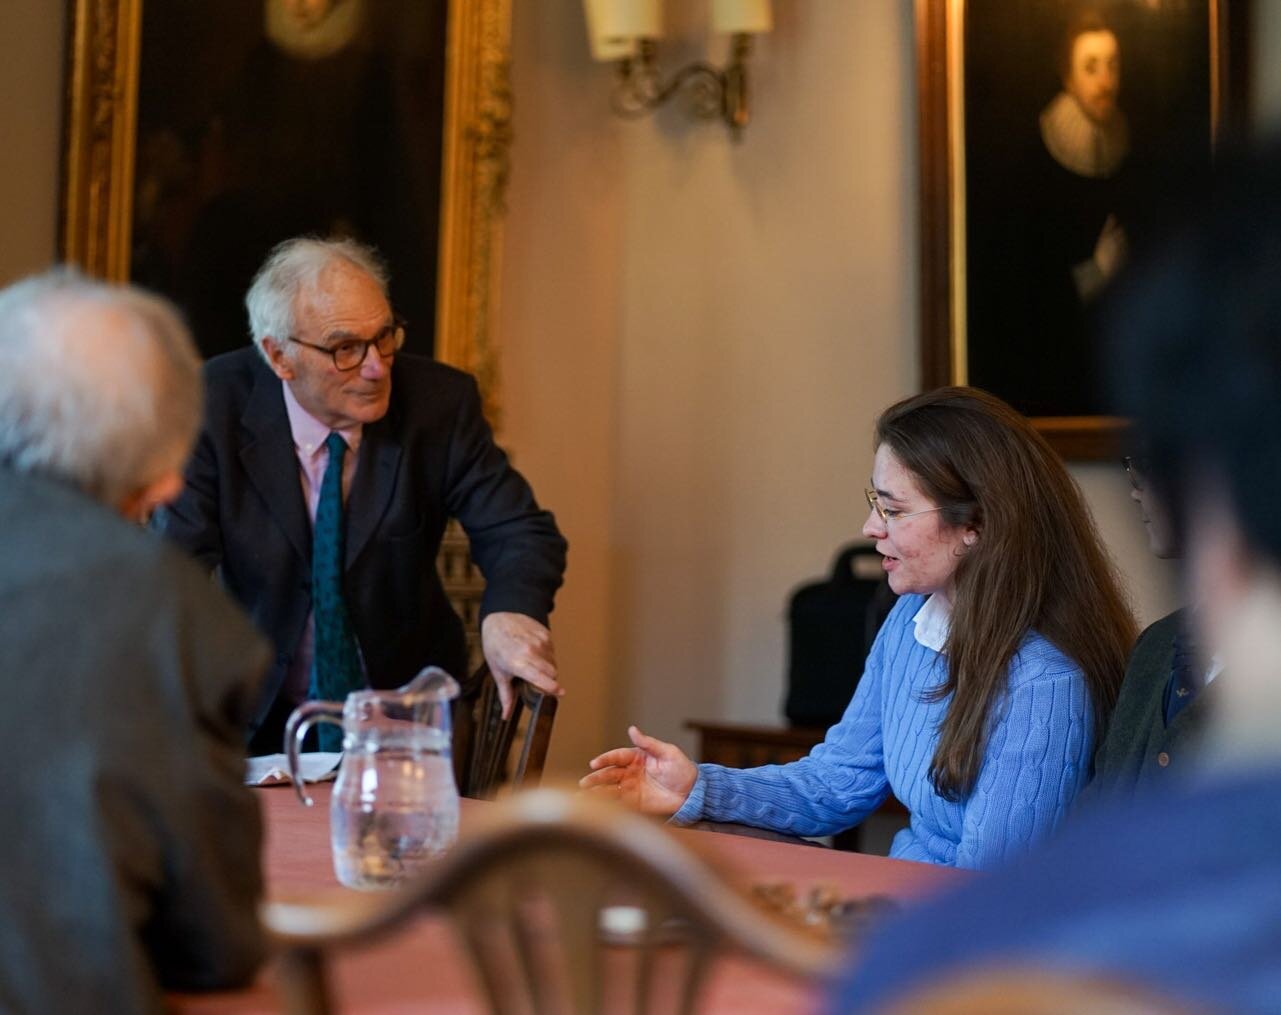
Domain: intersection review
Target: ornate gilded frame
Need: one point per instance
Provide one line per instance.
(98, 164)
(942, 224)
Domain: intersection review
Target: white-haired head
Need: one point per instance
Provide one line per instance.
(292, 268)
(99, 384)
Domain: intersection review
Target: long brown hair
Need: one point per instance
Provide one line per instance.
(1038, 563)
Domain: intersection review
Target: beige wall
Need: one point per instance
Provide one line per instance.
(31, 47)
(1266, 37)
(560, 315)
(699, 335)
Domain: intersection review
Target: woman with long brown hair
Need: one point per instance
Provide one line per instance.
(982, 693)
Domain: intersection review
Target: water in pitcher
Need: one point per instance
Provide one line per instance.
(394, 808)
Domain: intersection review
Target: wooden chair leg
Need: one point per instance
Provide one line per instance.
(304, 983)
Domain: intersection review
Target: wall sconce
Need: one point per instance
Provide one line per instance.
(625, 32)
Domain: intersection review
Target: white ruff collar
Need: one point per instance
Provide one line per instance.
(933, 622)
(313, 38)
(1079, 144)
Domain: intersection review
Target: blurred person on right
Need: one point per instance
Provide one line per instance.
(1178, 890)
(1166, 699)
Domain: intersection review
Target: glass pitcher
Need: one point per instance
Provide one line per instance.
(395, 804)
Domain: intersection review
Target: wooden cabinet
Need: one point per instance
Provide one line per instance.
(746, 745)
(742, 745)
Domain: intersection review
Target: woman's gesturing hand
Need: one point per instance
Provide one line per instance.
(653, 777)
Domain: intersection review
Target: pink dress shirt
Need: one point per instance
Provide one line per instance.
(310, 435)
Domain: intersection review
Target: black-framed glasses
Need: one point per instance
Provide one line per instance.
(351, 352)
(888, 515)
(1136, 468)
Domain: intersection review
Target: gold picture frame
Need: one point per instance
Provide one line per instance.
(954, 289)
(100, 137)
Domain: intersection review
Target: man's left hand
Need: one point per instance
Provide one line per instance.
(518, 646)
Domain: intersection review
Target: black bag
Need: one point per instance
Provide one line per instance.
(832, 626)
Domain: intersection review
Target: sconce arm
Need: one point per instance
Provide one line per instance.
(714, 94)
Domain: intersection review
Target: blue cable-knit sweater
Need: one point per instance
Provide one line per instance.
(1040, 737)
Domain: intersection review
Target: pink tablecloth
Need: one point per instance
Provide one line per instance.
(422, 968)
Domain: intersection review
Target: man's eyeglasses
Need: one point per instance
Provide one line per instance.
(888, 515)
(1137, 469)
(351, 352)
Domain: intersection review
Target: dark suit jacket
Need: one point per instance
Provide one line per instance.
(1127, 759)
(130, 845)
(430, 458)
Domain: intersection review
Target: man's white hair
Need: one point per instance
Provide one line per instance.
(292, 267)
(99, 384)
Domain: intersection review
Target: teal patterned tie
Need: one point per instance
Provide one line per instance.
(336, 670)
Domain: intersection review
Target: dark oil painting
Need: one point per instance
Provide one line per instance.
(1087, 127)
(263, 119)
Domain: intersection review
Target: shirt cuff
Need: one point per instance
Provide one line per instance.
(531, 605)
(691, 811)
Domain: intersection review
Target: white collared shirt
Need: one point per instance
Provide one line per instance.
(1216, 667)
(310, 435)
(933, 622)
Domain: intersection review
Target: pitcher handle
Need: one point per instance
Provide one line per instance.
(300, 721)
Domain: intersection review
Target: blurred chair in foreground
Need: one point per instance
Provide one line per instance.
(566, 904)
(482, 743)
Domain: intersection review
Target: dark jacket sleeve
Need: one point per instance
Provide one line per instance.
(1120, 756)
(515, 543)
(192, 520)
(204, 929)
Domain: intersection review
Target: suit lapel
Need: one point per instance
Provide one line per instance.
(374, 483)
(271, 463)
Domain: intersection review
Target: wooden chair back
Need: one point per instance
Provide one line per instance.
(1034, 991)
(483, 739)
(567, 906)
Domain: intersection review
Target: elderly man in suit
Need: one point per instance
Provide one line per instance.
(320, 487)
(130, 853)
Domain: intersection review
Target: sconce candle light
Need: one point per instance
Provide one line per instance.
(626, 31)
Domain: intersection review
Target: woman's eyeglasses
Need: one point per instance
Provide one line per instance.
(888, 515)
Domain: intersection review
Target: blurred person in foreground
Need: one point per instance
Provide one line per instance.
(1179, 890)
(327, 466)
(130, 856)
(978, 704)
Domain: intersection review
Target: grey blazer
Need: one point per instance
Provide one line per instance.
(130, 851)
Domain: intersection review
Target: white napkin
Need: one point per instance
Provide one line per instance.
(271, 769)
